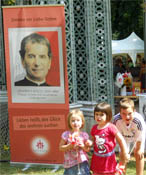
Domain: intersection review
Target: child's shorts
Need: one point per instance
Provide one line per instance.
(131, 145)
(83, 168)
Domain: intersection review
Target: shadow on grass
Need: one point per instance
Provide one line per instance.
(7, 169)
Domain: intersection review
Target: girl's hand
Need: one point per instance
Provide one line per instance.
(81, 145)
(63, 146)
(126, 158)
(88, 143)
(80, 142)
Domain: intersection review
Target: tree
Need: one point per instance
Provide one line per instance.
(8, 2)
(127, 16)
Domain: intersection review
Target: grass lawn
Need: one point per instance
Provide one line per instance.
(7, 169)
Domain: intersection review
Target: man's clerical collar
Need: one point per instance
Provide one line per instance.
(38, 83)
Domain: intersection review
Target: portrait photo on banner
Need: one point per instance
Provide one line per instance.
(36, 65)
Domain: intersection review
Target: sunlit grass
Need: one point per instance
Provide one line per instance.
(7, 169)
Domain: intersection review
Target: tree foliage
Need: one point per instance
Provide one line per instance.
(127, 17)
(8, 2)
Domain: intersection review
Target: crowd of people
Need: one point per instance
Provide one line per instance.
(137, 71)
(127, 128)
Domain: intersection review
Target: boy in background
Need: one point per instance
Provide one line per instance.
(132, 126)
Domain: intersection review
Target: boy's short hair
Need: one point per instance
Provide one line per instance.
(126, 103)
(76, 112)
(105, 108)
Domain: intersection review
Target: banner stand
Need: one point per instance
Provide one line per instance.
(37, 83)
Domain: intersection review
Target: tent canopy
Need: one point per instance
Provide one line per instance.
(132, 45)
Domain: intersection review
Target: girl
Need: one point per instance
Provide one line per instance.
(104, 135)
(75, 143)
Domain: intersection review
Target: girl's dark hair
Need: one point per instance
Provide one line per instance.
(105, 108)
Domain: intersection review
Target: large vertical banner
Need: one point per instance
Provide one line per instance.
(37, 84)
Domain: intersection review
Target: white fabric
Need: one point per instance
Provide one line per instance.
(119, 80)
(123, 91)
(132, 45)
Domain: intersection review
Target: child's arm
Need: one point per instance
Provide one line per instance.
(84, 145)
(139, 142)
(87, 145)
(140, 152)
(123, 147)
(63, 146)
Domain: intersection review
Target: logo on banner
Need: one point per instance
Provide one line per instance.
(40, 146)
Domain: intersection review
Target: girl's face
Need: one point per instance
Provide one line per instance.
(76, 122)
(100, 118)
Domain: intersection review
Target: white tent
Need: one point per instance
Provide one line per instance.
(132, 45)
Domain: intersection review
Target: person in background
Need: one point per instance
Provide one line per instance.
(119, 67)
(104, 135)
(144, 111)
(142, 76)
(75, 144)
(138, 60)
(36, 57)
(132, 126)
(129, 62)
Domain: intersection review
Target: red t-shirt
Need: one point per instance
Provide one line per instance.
(104, 143)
